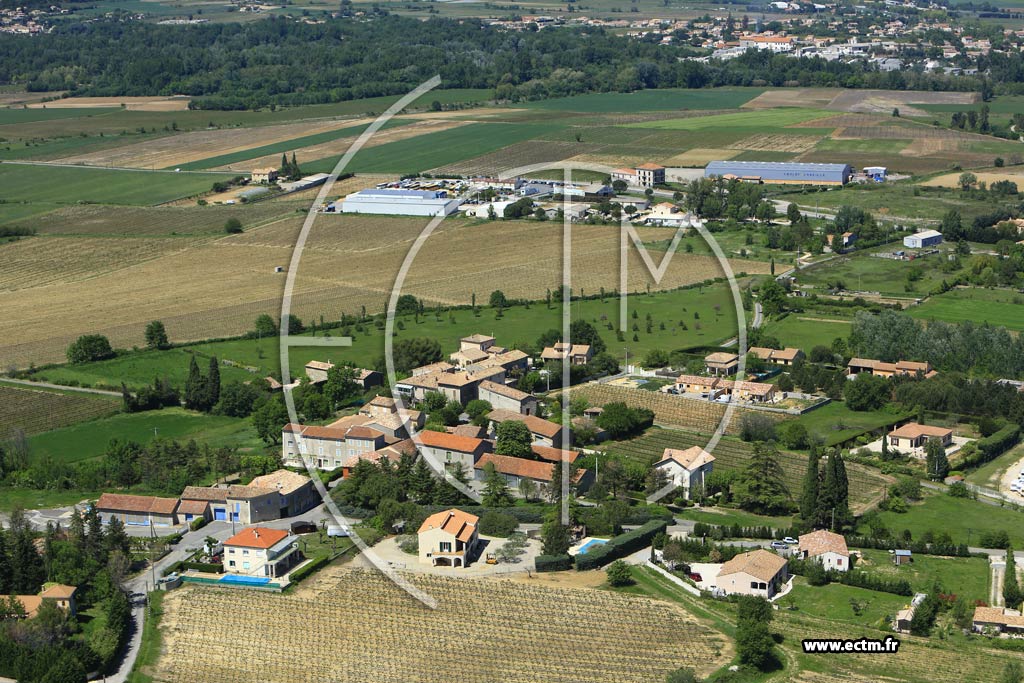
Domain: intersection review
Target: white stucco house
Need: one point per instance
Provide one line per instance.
(827, 548)
(686, 468)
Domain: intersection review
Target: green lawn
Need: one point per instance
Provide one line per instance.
(894, 199)
(756, 121)
(834, 602)
(90, 439)
(727, 516)
(44, 114)
(967, 576)
(652, 100)
(138, 369)
(518, 325)
(995, 306)
(34, 499)
(835, 423)
(805, 331)
(66, 185)
(866, 273)
(963, 518)
(991, 472)
(424, 152)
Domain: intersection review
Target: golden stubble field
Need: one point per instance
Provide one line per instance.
(216, 286)
(364, 629)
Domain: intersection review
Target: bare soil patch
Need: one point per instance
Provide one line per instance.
(793, 97)
(173, 103)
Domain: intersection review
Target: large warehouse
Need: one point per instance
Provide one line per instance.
(400, 202)
(784, 172)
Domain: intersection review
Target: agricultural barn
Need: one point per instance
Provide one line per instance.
(400, 202)
(137, 510)
(920, 240)
(780, 172)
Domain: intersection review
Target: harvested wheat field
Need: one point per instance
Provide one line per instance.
(793, 97)
(216, 286)
(884, 101)
(174, 150)
(513, 156)
(364, 629)
(172, 103)
(779, 142)
(953, 179)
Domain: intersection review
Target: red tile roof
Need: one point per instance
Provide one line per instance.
(459, 524)
(128, 503)
(451, 442)
(257, 537)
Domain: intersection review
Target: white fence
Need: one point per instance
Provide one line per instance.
(674, 579)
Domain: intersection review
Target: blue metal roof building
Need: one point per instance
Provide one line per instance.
(785, 172)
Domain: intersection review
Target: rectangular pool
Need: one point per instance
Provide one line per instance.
(590, 544)
(248, 580)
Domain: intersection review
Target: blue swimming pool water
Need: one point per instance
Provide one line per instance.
(257, 580)
(590, 544)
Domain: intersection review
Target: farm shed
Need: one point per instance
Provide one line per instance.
(920, 240)
(781, 172)
(400, 202)
(137, 510)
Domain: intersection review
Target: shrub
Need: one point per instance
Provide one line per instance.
(500, 524)
(621, 545)
(197, 523)
(619, 574)
(90, 347)
(552, 563)
(233, 226)
(302, 572)
(757, 427)
(958, 489)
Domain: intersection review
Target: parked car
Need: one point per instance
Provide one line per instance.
(694, 576)
(780, 545)
(790, 540)
(303, 528)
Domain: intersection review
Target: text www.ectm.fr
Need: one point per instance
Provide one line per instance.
(833, 645)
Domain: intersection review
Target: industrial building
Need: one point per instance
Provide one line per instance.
(400, 202)
(920, 240)
(780, 172)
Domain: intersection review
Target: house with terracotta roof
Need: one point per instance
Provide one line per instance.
(391, 453)
(787, 356)
(707, 387)
(645, 175)
(137, 510)
(513, 362)
(825, 547)
(884, 369)
(545, 432)
(758, 572)
(997, 620)
(504, 397)
(263, 552)
(296, 491)
(516, 470)
(913, 436)
(448, 538)
(721, 363)
(576, 354)
(63, 597)
(451, 450)
(554, 454)
(686, 468)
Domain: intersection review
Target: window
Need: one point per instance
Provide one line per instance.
(245, 565)
(446, 546)
(320, 451)
(448, 456)
(245, 552)
(839, 562)
(231, 550)
(231, 563)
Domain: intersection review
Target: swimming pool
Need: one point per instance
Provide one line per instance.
(590, 544)
(250, 580)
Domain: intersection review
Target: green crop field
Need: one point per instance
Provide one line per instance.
(835, 423)
(517, 326)
(69, 185)
(753, 121)
(668, 99)
(417, 154)
(805, 332)
(994, 306)
(90, 439)
(724, 516)
(937, 511)
(28, 115)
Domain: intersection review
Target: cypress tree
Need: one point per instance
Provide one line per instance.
(828, 496)
(809, 496)
(295, 172)
(5, 565)
(194, 386)
(212, 385)
(1011, 589)
(842, 492)
(284, 165)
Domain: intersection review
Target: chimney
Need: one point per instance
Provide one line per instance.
(256, 533)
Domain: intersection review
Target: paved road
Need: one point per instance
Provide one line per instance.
(47, 385)
(758, 316)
